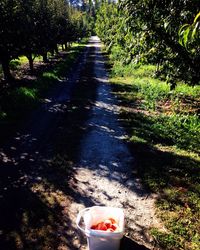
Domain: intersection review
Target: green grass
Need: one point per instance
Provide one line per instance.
(185, 90)
(164, 134)
(133, 70)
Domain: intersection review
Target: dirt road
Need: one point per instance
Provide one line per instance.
(71, 155)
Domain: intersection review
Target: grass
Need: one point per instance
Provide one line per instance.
(164, 134)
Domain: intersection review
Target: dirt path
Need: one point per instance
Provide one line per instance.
(104, 174)
(39, 202)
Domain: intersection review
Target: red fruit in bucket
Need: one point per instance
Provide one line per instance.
(101, 226)
(108, 225)
(114, 227)
(94, 227)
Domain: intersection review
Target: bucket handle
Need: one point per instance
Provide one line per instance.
(78, 219)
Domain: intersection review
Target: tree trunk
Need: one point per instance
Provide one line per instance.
(65, 46)
(195, 78)
(52, 52)
(30, 60)
(172, 85)
(56, 49)
(6, 69)
(45, 58)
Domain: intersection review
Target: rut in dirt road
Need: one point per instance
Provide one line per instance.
(71, 155)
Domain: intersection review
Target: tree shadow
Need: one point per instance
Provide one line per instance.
(32, 212)
(38, 173)
(18, 105)
(129, 244)
(26, 220)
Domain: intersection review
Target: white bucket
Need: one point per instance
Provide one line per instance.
(101, 240)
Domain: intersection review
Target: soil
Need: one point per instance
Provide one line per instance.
(71, 154)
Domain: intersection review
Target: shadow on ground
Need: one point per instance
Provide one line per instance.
(128, 244)
(34, 191)
(33, 210)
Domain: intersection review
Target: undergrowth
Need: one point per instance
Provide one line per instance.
(164, 134)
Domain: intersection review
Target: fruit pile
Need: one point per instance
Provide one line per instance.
(108, 225)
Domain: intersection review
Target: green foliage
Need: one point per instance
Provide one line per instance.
(162, 21)
(189, 35)
(146, 32)
(111, 27)
(180, 125)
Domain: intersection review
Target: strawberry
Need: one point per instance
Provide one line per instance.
(101, 226)
(114, 227)
(108, 223)
(94, 227)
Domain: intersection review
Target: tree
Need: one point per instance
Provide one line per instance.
(9, 34)
(35, 27)
(162, 20)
